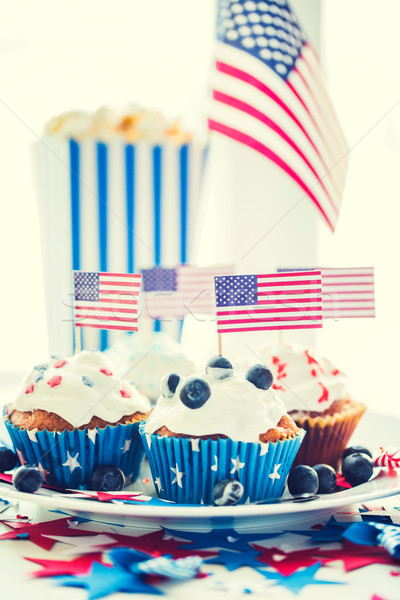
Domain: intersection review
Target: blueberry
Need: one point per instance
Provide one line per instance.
(107, 478)
(357, 468)
(195, 392)
(260, 376)
(302, 480)
(327, 478)
(219, 367)
(27, 479)
(8, 459)
(358, 449)
(227, 492)
(168, 384)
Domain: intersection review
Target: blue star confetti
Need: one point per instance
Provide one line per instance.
(332, 532)
(235, 560)
(103, 580)
(221, 538)
(300, 579)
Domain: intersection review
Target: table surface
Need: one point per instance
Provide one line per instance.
(379, 579)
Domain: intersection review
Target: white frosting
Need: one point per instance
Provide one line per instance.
(304, 380)
(75, 401)
(235, 408)
(144, 358)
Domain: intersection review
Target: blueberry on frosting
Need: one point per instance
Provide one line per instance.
(219, 367)
(195, 392)
(168, 384)
(260, 376)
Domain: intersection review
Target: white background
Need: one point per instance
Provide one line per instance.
(63, 55)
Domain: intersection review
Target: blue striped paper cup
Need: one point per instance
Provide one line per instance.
(68, 458)
(111, 206)
(185, 470)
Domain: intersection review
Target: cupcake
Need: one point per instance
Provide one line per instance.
(73, 415)
(315, 394)
(216, 425)
(144, 358)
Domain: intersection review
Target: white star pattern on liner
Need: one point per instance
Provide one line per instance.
(237, 465)
(126, 446)
(215, 467)
(92, 434)
(32, 434)
(148, 439)
(275, 474)
(195, 444)
(157, 482)
(72, 462)
(20, 457)
(264, 448)
(178, 475)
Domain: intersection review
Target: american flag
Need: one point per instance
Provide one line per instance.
(106, 300)
(180, 291)
(269, 95)
(348, 293)
(161, 296)
(197, 287)
(273, 301)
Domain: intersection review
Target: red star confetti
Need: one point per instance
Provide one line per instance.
(157, 543)
(286, 563)
(38, 532)
(53, 568)
(355, 557)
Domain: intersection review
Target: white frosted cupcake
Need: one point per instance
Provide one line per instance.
(75, 414)
(315, 393)
(216, 425)
(144, 358)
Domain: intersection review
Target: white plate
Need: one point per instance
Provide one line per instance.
(373, 431)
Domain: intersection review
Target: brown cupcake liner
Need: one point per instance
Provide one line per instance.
(327, 436)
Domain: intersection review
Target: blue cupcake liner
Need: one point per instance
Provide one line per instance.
(68, 458)
(185, 470)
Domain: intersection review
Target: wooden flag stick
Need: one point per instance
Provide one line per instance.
(220, 344)
(78, 339)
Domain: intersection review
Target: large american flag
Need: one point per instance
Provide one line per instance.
(269, 94)
(348, 293)
(106, 300)
(272, 301)
(180, 291)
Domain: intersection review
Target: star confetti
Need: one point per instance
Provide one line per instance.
(286, 563)
(103, 580)
(39, 533)
(157, 543)
(300, 579)
(139, 563)
(235, 560)
(332, 532)
(355, 557)
(54, 568)
(221, 538)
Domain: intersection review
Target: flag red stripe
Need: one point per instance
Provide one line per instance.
(256, 145)
(275, 320)
(107, 318)
(282, 293)
(130, 275)
(121, 328)
(121, 283)
(119, 292)
(290, 301)
(355, 292)
(369, 274)
(116, 301)
(338, 300)
(250, 110)
(278, 283)
(247, 78)
(307, 273)
(132, 311)
(342, 283)
(267, 310)
(272, 328)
